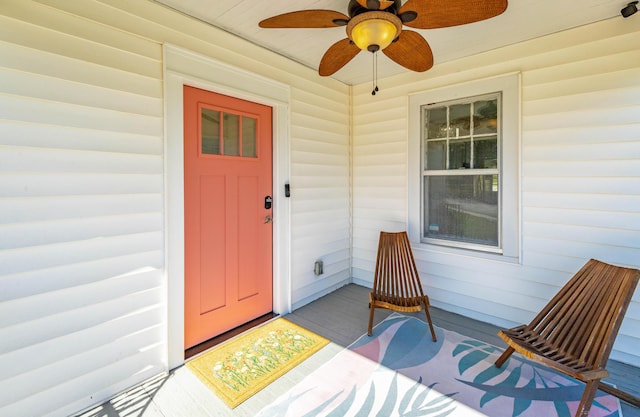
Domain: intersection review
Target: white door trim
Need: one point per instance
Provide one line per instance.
(183, 67)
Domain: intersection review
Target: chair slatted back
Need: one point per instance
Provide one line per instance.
(580, 323)
(396, 277)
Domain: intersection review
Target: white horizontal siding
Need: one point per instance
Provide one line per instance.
(33, 59)
(320, 209)
(320, 185)
(70, 275)
(40, 136)
(379, 176)
(55, 113)
(47, 256)
(44, 184)
(78, 39)
(83, 310)
(72, 92)
(580, 173)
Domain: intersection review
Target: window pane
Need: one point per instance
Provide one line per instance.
(460, 120)
(462, 208)
(485, 116)
(460, 154)
(436, 154)
(210, 120)
(230, 134)
(485, 152)
(437, 123)
(249, 137)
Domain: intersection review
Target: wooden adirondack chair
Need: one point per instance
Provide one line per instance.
(575, 332)
(396, 283)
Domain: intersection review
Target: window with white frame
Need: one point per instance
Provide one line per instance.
(461, 173)
(464, 193)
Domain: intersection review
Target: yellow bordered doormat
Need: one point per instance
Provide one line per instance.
(240, 367)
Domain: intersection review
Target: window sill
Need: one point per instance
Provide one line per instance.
(475, 252)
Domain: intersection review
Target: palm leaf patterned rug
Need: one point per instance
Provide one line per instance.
(400, 371)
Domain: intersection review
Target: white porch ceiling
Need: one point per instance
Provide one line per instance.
(523, 20)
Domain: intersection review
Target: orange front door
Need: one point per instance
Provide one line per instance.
(228, 228)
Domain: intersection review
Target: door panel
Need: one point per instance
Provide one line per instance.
(250, 208)
(228, 244)
(212, 226)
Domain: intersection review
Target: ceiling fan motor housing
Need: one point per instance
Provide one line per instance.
(355, 8)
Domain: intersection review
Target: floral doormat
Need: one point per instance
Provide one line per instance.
(239, 368)
(400, 371)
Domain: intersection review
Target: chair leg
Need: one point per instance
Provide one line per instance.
(426, 310)
(587, 398)
(505, 355)
(371, 310)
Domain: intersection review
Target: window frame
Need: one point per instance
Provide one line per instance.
(448, 171)
(508, 86)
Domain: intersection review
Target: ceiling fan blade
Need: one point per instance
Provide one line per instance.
(411, 51)
(375, 4)
(337, 56)
(435, 14)
(306, 19)
(384, 4)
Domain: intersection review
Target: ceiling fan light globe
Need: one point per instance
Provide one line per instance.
(373, 32)
(374, 28)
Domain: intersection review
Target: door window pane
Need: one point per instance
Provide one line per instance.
(228, 134)
(462, 208)
(210, 121)
(249, 134)
(231, 134)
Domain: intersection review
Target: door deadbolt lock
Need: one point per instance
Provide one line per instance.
(267, 202)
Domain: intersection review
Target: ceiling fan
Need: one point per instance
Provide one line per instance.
(374, 25)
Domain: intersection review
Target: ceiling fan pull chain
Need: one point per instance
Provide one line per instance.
(373, 79)
(375, 74)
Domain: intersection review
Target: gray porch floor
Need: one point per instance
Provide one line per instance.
(342, 317)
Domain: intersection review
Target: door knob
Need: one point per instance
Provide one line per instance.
(268, 219)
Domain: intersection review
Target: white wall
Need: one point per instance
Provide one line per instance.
(81, 222)
(579, 163)
(83, 284)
